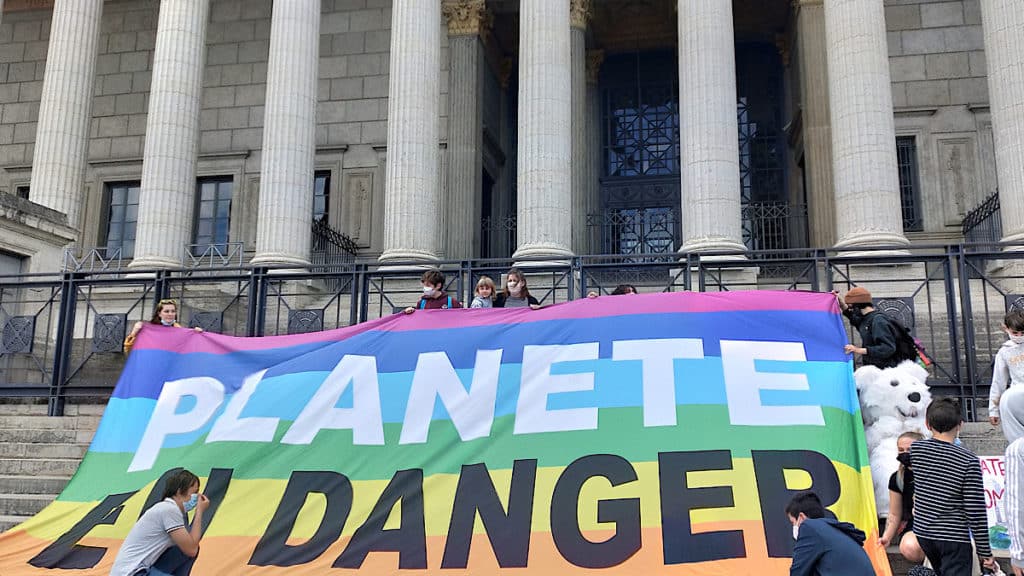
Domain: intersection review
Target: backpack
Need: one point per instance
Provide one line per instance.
(908, 347)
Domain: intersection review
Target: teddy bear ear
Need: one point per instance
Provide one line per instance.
(865, 375)
(914, 370)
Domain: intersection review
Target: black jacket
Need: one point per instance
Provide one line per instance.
(878, 336)
(828, 547)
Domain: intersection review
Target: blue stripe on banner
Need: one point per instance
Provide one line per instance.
(617, 385)
(397, 352)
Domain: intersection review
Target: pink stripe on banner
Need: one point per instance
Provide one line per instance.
(184, 341)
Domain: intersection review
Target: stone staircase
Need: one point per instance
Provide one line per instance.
(38, 455)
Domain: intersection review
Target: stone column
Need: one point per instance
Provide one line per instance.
(579, 14)
(817, 122)
(467, 22)
(709, 131)
(1003, 22)
(285, 224)
(594, 148)
(867, 193)
(167, 198)
(544, 225)
(412, 194)
(65, 108)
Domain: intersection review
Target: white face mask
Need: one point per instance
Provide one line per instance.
(796, 531)
(429, 291)
(514, 287)
(1016, 339)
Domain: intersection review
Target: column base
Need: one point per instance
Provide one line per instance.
(891, 242)
(406, 255)
(279, 259)
(151, 262)
(726, 248)
(542, 254)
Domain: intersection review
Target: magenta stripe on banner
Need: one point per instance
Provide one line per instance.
(185, 341)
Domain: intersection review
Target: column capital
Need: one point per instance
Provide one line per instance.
(579, 13)
(595, 58)
(467, 17)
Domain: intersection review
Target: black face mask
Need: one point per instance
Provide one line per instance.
(856, 313)
(904, 458)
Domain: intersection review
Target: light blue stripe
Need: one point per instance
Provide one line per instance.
(617, 385)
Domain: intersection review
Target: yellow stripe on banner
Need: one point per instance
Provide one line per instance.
(250, 504)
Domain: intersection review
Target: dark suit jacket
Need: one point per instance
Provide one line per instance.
(827, 547)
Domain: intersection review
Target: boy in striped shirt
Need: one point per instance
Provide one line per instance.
(949, 499)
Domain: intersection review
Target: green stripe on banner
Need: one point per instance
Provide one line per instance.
(621, 432)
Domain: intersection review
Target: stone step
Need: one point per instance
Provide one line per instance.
(15, 484)
(57, 436)
(41, 450)
(43, 467)
(42, 422)
(983, 439)
(22, 409)
(8, 522)
(24, 504)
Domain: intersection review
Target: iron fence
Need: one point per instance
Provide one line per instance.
(61, 334)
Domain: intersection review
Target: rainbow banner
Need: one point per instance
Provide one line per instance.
(651, 434)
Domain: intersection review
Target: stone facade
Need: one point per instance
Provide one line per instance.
(937, 69)
(940, 97)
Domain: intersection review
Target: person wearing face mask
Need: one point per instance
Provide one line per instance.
(824, 545)
(163, 527)
(878, 334)
(1009, 364)
(166, 315)
(899, 525)
(434, 297)
(515, 294)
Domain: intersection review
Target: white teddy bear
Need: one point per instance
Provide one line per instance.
(892, 401)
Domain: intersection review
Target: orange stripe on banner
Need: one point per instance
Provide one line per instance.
(218, 552)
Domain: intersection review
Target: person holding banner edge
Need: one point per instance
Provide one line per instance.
(163, 527)
(166, 314)
(824, 546)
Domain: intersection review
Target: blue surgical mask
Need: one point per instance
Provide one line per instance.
(957, 442)
(190, 504)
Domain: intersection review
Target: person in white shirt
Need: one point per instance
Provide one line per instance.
(1009, 364)
(162, 526)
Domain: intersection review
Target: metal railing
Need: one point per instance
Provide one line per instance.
(61, 334)
(982, 225)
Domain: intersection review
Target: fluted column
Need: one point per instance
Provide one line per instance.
(579, 14)
(65, 108)
(412, 195)
(867, 193)
(284, 231)
(1003, 22)
(708, 128)
(544, 225)
(594, 151)
(172, 135)
(467, 22)
(817, 122)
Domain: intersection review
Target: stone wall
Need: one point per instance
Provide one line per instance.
(351, 115)
(940, 95)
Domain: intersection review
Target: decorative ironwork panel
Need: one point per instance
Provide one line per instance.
(774, 225)
(982, 225)
(637, 231)
(1014, 302)
(18, 335)
(208, 321)
(900, 309)
(108, 332)
(305, 321)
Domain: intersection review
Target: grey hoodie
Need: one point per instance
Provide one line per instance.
(1008, 370)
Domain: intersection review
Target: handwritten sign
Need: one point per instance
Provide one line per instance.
(993, 474)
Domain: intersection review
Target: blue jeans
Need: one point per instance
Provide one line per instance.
(154, 572)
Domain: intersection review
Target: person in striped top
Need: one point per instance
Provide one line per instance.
(949, 499)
